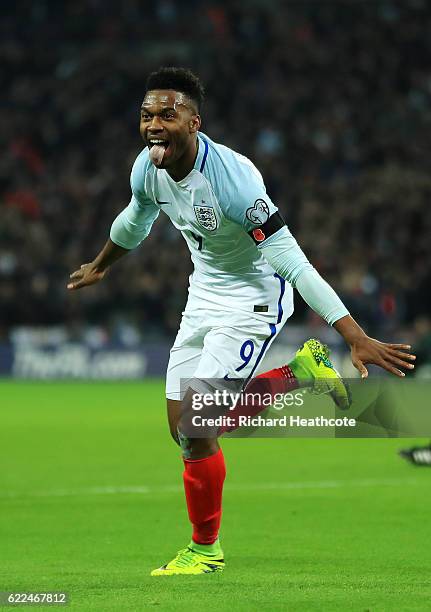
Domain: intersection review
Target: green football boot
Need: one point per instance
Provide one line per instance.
(312, 363)
(190, 562)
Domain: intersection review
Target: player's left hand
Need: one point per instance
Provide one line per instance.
(390, 357)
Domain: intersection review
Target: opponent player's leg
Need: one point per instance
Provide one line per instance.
(418, 455)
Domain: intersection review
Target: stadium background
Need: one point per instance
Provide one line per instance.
(332, 101)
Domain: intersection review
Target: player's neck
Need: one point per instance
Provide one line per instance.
(185, 164)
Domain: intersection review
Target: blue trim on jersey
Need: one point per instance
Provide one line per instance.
(273, 329)
(282, 290)
(204, 159)
(272, 326)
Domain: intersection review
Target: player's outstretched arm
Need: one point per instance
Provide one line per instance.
(366, 350)
(93, 272)
(286, 257)
(128, 230)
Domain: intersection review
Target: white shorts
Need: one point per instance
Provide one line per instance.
(214, 344)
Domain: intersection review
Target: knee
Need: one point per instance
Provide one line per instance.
(197, 448)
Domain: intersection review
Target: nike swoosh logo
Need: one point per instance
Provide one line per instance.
(160, 202)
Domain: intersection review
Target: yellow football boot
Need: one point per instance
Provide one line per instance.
(191, 562)
(313, 363)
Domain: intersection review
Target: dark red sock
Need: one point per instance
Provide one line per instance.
(203, 485)
(279, 380)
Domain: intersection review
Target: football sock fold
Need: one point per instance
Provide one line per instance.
(212, 550)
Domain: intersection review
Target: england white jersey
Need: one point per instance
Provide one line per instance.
(215, 207)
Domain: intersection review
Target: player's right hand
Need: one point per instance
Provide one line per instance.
(88, 274)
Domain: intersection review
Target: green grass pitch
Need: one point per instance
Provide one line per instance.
(91, 501)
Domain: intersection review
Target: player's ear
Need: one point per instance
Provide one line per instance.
(194, 124)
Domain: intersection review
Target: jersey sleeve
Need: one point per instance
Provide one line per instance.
(134, 223)
(247, 202)
(287, 258)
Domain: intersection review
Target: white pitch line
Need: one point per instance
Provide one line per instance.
(240, 487)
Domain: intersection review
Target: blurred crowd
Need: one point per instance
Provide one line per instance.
(331, 100)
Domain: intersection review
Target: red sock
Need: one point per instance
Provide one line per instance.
(283, 372)
(279, 380)
(203, 484)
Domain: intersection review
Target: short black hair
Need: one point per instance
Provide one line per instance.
(178, 79)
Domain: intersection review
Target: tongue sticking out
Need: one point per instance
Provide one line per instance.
(156, 154)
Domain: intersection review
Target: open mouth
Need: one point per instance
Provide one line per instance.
(159, 150)
(159, 142)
